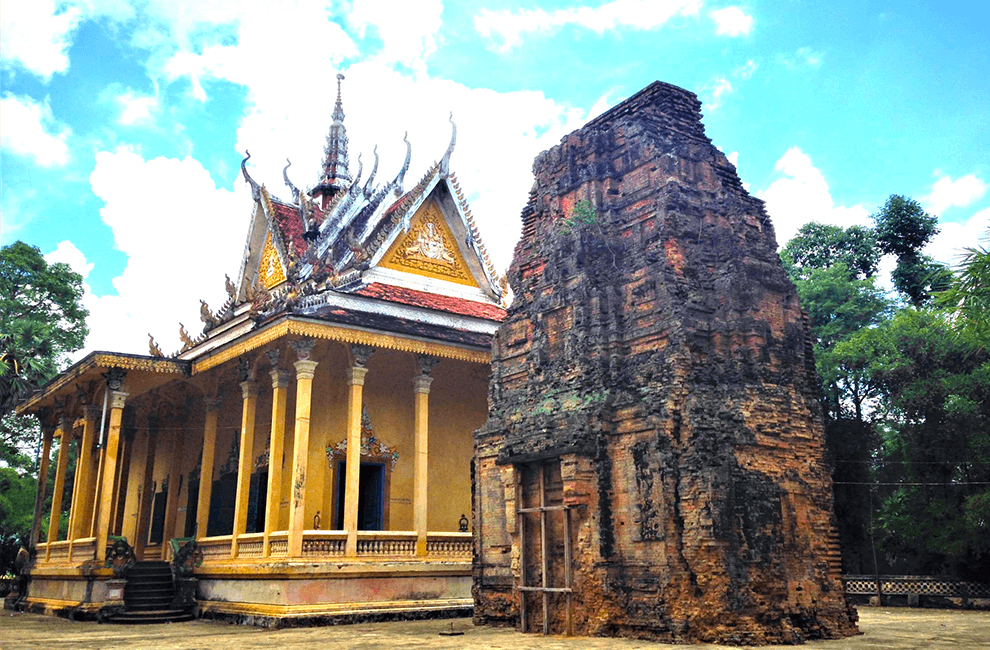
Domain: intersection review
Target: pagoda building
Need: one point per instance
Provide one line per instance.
(307, 456)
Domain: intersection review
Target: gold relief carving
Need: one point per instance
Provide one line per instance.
(343, 335)
(128, 363)
(429, 248)
(270, 270)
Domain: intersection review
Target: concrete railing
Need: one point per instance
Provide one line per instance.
(331, 544)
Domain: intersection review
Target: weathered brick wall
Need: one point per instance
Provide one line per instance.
(659, 353)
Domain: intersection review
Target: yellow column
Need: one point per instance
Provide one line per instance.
(117, 400)
(352, 479)
(245, 463)
(280, 393)
(172, 498)
(305, 369)
(206, 467)
(82, 488)
(147, 488)
(47, 434)
(421, 396)
(137, 469)
(64, 433)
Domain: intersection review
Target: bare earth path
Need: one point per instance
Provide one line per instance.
(890, 629)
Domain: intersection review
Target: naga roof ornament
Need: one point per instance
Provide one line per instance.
(445, 161)
(255, 188)
(288, 183)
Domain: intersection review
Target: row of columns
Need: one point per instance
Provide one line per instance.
(90, 510)
(305, 369)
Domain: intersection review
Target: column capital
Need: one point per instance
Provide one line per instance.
(212, 403)
(360, 354)
(427, 363)
(305, 368)
(65, 425)
(115, 378)
(91, 412)
(118, 398)
(303, 348)
(356, 376)
(421, 384)
(249, 389)
(280, 378)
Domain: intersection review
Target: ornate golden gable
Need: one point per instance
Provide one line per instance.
(270, 271)
(429, 248)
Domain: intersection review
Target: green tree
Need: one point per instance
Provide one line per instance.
(903, 228)
(968, 295)
(821, 246)
(41, 320)
(935, 454)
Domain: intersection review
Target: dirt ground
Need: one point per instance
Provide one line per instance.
(887, 628)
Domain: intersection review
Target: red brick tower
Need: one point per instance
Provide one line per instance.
(653, 463)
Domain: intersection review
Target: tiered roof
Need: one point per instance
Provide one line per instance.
(320, 255)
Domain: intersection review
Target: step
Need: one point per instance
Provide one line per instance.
(152, 617)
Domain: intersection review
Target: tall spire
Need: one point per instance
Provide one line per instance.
(335, 175)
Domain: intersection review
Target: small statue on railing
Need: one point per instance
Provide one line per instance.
(186, 556)
(316, 520)
(463, 524)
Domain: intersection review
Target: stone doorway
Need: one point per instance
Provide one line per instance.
(546, 558)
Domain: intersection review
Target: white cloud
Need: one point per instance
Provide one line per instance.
(746, 70)
(953, 236)
(947, 193)
(734, 158)
(67, 253)
(803, 57)
(177, 250)
(715, 92)
(136, 108)
(803, 195)
(633, 14)
(30, 130)
(407, 29)
(37, 35)
(732, 21)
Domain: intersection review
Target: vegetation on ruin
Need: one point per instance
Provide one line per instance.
(905, 392)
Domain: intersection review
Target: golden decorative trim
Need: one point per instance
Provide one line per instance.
(429, 249)
(330, 609)
(270, 271)
(131, 363)
(343, 335)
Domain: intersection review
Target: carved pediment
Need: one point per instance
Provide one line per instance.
(429, 248)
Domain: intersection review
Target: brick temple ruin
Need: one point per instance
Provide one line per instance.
(652, 465)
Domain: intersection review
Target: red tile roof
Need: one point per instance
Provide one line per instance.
(290, 225)
(435, 301)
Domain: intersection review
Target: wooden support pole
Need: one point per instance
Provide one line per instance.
(521, 525)
(276, 450)
(305, 371)
(245, 464)
(543, 549)
(206, 466)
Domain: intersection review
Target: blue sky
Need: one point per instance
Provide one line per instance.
(122, 123)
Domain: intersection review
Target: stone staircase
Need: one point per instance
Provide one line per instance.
(149, 596)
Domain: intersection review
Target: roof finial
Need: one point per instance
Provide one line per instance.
(445, 161)
(368, 188)
(255, 188)
(335, 172)
(405, 165)
(285, 177)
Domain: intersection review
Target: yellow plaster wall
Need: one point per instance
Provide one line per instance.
(458, 406)
(328, 426)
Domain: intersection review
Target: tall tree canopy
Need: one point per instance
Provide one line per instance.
(41, 320)
(903, 228)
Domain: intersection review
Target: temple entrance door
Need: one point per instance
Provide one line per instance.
(546, 572)
(371, 496)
